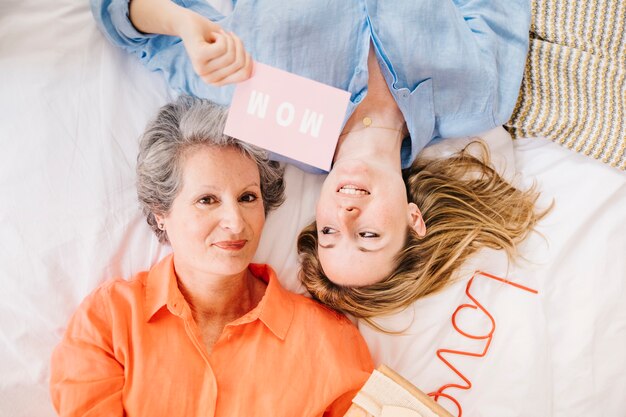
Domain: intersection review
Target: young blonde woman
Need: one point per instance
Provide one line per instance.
(384, 238)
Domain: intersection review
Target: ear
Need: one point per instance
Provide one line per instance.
(159, 218)
(416, 221)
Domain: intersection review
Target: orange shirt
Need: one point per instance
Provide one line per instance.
(133, 349)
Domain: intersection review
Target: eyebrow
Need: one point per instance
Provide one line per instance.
(213, 189)
(332, 245)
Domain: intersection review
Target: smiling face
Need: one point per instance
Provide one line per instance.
(216, 220)
(362, 218)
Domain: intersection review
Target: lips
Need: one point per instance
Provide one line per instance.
(233, 245)
(352, 190)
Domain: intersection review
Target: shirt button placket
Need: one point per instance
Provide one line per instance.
(209, 407)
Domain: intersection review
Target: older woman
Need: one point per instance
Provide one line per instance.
(204, 332)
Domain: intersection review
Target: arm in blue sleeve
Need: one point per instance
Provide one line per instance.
(158, 52)
(113, 19)
(472, 51)
(500, 31)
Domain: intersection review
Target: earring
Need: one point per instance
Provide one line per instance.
(161, 226)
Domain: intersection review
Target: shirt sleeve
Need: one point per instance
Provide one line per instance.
(86, 377)
(500, 34)
(356, 366)
(469, 53)
(113, 19)
(162, 53)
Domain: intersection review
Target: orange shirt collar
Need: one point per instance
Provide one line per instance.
(275, 310)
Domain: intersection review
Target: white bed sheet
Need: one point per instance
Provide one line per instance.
(71, 109)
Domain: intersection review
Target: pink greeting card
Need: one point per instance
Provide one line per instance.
(289, 115)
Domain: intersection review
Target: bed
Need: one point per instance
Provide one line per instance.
(547, 334)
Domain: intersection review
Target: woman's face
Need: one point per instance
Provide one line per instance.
(362, 220)
(216, 220)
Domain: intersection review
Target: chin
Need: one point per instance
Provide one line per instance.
(227, 263)
(355, 282)
(230, 267)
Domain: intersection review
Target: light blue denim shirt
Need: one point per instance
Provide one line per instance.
(453, 66)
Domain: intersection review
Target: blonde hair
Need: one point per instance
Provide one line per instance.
(466, 206)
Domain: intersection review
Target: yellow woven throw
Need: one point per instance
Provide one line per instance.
(574, 87)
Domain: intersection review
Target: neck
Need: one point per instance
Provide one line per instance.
(371, 144)
(220, 298)
(382, 140)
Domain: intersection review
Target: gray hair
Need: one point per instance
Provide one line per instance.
(179, 126)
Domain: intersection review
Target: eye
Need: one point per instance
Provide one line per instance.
(327, 230)
(209, 199)
(249, 197)
(368, 235)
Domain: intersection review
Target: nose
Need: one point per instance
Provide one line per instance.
(231, 217)
(348, 213)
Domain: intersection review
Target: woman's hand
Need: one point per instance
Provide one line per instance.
(218, 57)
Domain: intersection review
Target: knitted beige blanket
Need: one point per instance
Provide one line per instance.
(574, 88)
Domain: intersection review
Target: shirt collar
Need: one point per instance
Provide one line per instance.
(275, 310)
(162, 289)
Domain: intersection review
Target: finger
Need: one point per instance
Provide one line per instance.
(238, 54)
(202, 53)
(243, 74)
(222, 64)
(230, 64)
